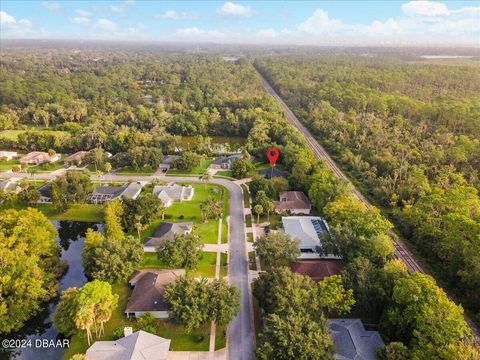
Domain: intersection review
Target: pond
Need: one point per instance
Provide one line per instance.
(70, 239)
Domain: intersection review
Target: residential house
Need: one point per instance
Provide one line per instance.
(352, 341)
(167, 162)
(309, 230)
(9, 155)
(226, 162)
(10, 186)
(317, 269)
(38, 157)
(45, 193)
(166, 231)
(148, 292)
(173, 192)
(272, 172)
(74, 159)
(103, 194)
(140, 345)
(294, 202)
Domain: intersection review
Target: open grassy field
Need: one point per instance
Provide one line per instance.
(78, 212)
(190, 211)
(198, 170)
(146, 171)
(206, 266)
(11, 134)
(7, 165)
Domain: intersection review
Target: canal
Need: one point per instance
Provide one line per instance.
(71, 240)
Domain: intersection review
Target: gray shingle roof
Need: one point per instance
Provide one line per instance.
(272, 172)
(352, 341)
(167, 231)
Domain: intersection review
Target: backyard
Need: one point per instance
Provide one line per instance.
(190, 211)
(197, 170)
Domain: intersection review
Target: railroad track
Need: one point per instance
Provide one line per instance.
(401, 250)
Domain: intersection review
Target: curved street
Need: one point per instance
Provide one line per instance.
(240, 331)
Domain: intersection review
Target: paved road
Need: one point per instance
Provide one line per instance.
(401, 251)
(240, 330)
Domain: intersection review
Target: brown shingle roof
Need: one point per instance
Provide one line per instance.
(317, 269)
(78, 156)
(291, 200)
(149, 286)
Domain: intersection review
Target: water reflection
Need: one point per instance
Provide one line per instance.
(71, 239)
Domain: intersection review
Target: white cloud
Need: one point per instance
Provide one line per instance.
(123, 7)
(232, 9)
(82, 13)
(80, 20)
(51, 6)
(320, 23)
(174, 15)
(105, 25)
(425, 8)
(13, 28)
(6, 19)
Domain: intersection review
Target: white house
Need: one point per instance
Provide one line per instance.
(11, 185)
(173, 192)
(9, 155)
(38, 157)
(139, 345)
(309, 230)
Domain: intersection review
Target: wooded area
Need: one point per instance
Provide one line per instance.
(409, 134)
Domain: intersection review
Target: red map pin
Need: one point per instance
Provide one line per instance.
(272, 155)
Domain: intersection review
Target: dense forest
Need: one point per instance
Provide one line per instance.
(409, 135)
(80, 100)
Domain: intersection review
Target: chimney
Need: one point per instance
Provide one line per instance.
(127, 331)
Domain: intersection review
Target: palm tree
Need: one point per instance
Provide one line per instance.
(258, 209)
(108, 168)
(206, 178)
(99, 175)
(84, 320)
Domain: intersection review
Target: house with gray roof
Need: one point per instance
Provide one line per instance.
(103, 194)
(140, 345)
(148, 292)
(166, 231)
(309, 230)
(173, 193)
(45, 193)
(352, 341)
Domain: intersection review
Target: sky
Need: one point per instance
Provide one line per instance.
(418, 22)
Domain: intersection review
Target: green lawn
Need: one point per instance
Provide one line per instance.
(220, 338)
(206, 266)
(250, 237)
(252, 264)
(46, 167)
(79, 212)
(227, 173)
(225, 216)
(11, 134)
(248, 220)
(199, 170)
(7, 165)
(130, 171)
(274, 219)
(190, 211)
(246, 196)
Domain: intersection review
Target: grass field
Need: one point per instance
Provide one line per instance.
(7, 165)
(11, 134)
(190, 211)
(79, 212)
(198, 170)
(227, 173)
(130, 171)
(250, 237)
(248, 221)
(206, 266)
(246, 196)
